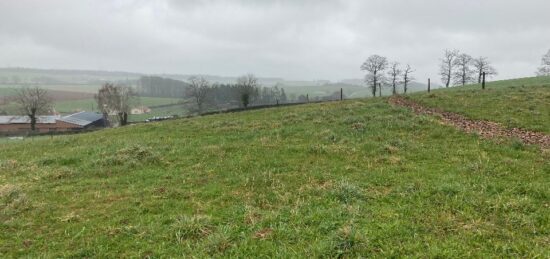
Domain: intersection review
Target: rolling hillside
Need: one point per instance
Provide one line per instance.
(523, 103)
(353, 178)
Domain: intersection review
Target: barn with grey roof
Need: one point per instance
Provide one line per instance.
(16, 125)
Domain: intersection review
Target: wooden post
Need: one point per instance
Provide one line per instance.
(379, 89)
(341, 94)
(429, 85)
(307, 98)
(277, 102)
(483, 82)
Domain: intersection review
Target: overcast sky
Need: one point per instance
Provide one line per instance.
(293, 39)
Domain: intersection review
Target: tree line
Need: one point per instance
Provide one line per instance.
(116, 101)
(458, 68)
(455, 68)
(155, 86)
(245, 92)
(378, 74)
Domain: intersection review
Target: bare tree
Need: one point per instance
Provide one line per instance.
(447, 66)
(394, 73)
(407, 77)
(544, 69)
(464, 72)
(374, 65)
(247, 88)
(33, 102)
(116, 100)
(198, 90)
(482, 65)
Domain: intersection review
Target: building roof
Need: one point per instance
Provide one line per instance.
(49, 119)
(82, 118)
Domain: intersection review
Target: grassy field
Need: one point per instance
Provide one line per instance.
(4, 92)
(70, 106)
(83, 88)
(523, 103)
(91, 104)
(177, 110)
(353, 178)
(350, 91)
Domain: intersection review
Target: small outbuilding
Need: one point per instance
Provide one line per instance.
(84, 120)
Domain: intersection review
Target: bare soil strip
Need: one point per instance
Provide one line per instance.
(486, 129)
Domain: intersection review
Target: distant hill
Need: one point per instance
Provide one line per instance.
(61, 76)
(90, 80)
(16, 75)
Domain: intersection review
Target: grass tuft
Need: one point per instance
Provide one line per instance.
(12, 199)
(132, 156)
(192, 227)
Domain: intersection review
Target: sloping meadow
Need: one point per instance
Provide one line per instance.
(518, 103)
(348, 178)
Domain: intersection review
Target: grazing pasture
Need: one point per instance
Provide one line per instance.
(340, 179)
(522, 103)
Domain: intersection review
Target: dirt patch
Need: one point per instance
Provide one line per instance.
(263, 234)
(486, 129)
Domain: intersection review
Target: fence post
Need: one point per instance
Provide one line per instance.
(307, 98)
(380, 89)
(483, 82)
(429, 85)
(341, 94)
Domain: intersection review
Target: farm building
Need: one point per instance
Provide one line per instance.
(16, 125)
(140, 110)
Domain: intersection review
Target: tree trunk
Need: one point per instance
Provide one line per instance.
(374, 86)
(33, 122)
(449, 74)
(463, 76)
(483, 82)
(105, 119)
(124, 118)
(33, 119)
(479, 77)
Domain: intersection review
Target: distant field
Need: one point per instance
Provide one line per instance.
(322, 90)
(178, 110)
(91, 104)
(527, 102)
(6, 92)
(82, 88)
(68, 102)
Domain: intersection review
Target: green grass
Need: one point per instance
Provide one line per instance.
(88, 104)
(353, 178)
(67, 107)
(6, 91)
(523, 103)
(83, 88)
(178, 110)
(350, 91)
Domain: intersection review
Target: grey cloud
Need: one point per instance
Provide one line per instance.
(292, 39)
